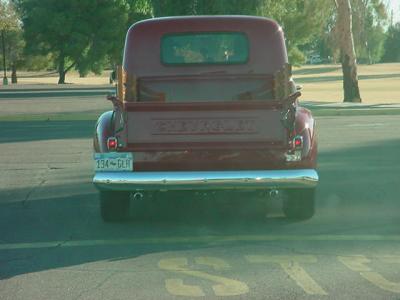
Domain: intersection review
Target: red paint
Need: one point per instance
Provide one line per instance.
(178, 132)
(201, 106)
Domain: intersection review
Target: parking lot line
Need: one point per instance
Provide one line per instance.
(214, 239)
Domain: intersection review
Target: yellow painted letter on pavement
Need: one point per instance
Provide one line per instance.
(291, 265)
(359, 264)
(223, 286)
(216, 263)
(176, 287)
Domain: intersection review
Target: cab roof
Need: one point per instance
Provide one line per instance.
(267, 50)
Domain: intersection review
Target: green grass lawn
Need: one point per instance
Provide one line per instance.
(379, 84)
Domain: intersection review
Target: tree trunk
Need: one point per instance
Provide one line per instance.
(61, 69)
(348, 55)
(5, 81)
(14, 78)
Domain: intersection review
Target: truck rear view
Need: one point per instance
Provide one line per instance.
(205, 103)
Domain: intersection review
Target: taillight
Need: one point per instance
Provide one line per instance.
(298, 142)
(296, 149)
(112, 143)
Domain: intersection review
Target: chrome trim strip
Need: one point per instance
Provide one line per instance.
(206, 180)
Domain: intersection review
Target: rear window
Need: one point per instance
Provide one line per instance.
(205, 48)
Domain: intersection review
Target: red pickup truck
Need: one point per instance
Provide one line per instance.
(205, 103)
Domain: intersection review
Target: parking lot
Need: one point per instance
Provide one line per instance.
(53, 244)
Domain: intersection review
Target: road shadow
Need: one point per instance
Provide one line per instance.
(358, 194)
(168, 222)
(28, 131)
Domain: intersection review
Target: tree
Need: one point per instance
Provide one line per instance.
(163, 8)
(369, 19)
(137, 10)
(228, 7)
(301, 20)
(344, 34)
(392, 44)
(8, 22)
(78, 33)
(14, 51)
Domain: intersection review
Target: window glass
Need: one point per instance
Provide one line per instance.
(205, 48)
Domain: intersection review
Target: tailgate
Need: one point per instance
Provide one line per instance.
(191, 126)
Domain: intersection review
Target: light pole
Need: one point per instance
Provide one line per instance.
(5, 80)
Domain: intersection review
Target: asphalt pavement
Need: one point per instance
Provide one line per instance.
(53, 244)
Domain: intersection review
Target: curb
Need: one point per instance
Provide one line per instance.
(349, 106)
(49, 93)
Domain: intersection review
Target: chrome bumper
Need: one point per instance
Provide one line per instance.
(205, 180)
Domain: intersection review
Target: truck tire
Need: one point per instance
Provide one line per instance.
(299, 204)
(114, 206)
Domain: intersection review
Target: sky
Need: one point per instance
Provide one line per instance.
(395, 6)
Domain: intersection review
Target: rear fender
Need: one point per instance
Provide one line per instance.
(305, 126)
(103, 130)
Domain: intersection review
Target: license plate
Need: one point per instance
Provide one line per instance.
(114, 161)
